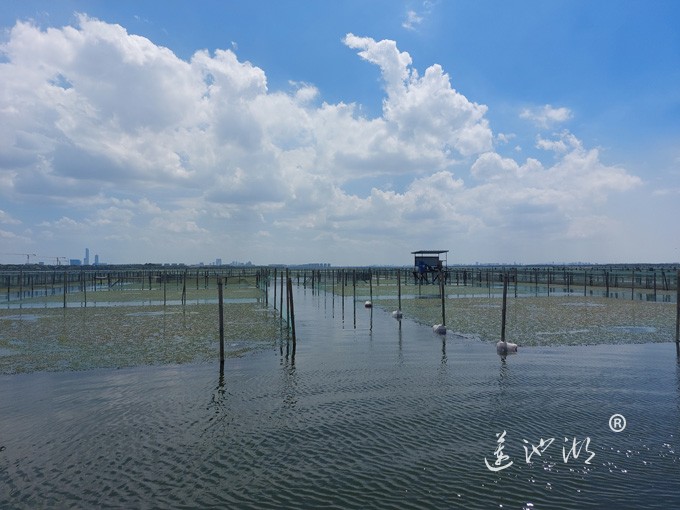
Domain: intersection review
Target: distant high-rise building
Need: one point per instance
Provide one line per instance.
(218, 262)
(87, 257)
(96, 259)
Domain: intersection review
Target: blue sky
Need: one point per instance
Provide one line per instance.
(345, 132)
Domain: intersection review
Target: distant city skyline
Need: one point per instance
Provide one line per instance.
(349, 132)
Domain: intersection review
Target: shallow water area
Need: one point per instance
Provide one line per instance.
(371, 412)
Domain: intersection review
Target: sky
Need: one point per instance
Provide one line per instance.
(349, 133)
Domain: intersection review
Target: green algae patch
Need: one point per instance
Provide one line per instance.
(79, 338)
(558, 320)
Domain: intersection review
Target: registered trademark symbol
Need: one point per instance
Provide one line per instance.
(617, 422)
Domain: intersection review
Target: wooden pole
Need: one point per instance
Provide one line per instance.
(677, 311)
(343, 281)
(354, 296)
(370, 284)
(184, 288)
(265, 275)
(505, 302)
(443, 296)
(274, 288)
(287, 300)
(585, 282)
(65, 283)
(632, 286)
(220, 307)
(606, 282)
(281, 299)
(399, 287)
(292, 311)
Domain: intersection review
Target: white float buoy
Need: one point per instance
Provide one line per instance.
(368, 304)
(504, 348)
(439, 329)
(397, 314)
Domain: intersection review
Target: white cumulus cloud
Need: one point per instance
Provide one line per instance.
(547, 115)
(113, 137)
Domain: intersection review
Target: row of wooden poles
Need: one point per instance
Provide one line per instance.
(50, 281)
(26, 285)
(263, 279)
(569, 278)
(342, 276)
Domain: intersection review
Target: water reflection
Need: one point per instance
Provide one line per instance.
(289, 382)
(400, 342)
(219, 410)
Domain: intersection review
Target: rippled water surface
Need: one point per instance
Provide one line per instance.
(386, 415)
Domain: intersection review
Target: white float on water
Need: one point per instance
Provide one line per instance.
(368, 304)
(439, 329)
(397, 314)
(504, 348)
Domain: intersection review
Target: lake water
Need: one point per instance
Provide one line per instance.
(384, 415)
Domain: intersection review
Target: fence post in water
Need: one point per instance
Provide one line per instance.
(65, 283)
(399, 288)
(292, 311)
(632, 285)
(343, 281)
(274, 288)
(505, 302)
(443, 296)
(677, 311)
(281, 299)
(287, 302)
(354, 295)
(606, 282)
(184, 288)
(585, 282)
(220, 307)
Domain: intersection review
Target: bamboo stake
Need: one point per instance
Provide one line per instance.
(443, 295)
(399, 287)
(505, 302)
(292, 311)
(677, 311)
(274, 288)
(354, 296)
(220, 299)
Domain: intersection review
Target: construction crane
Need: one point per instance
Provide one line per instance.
(27, 255)
(58, 259)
